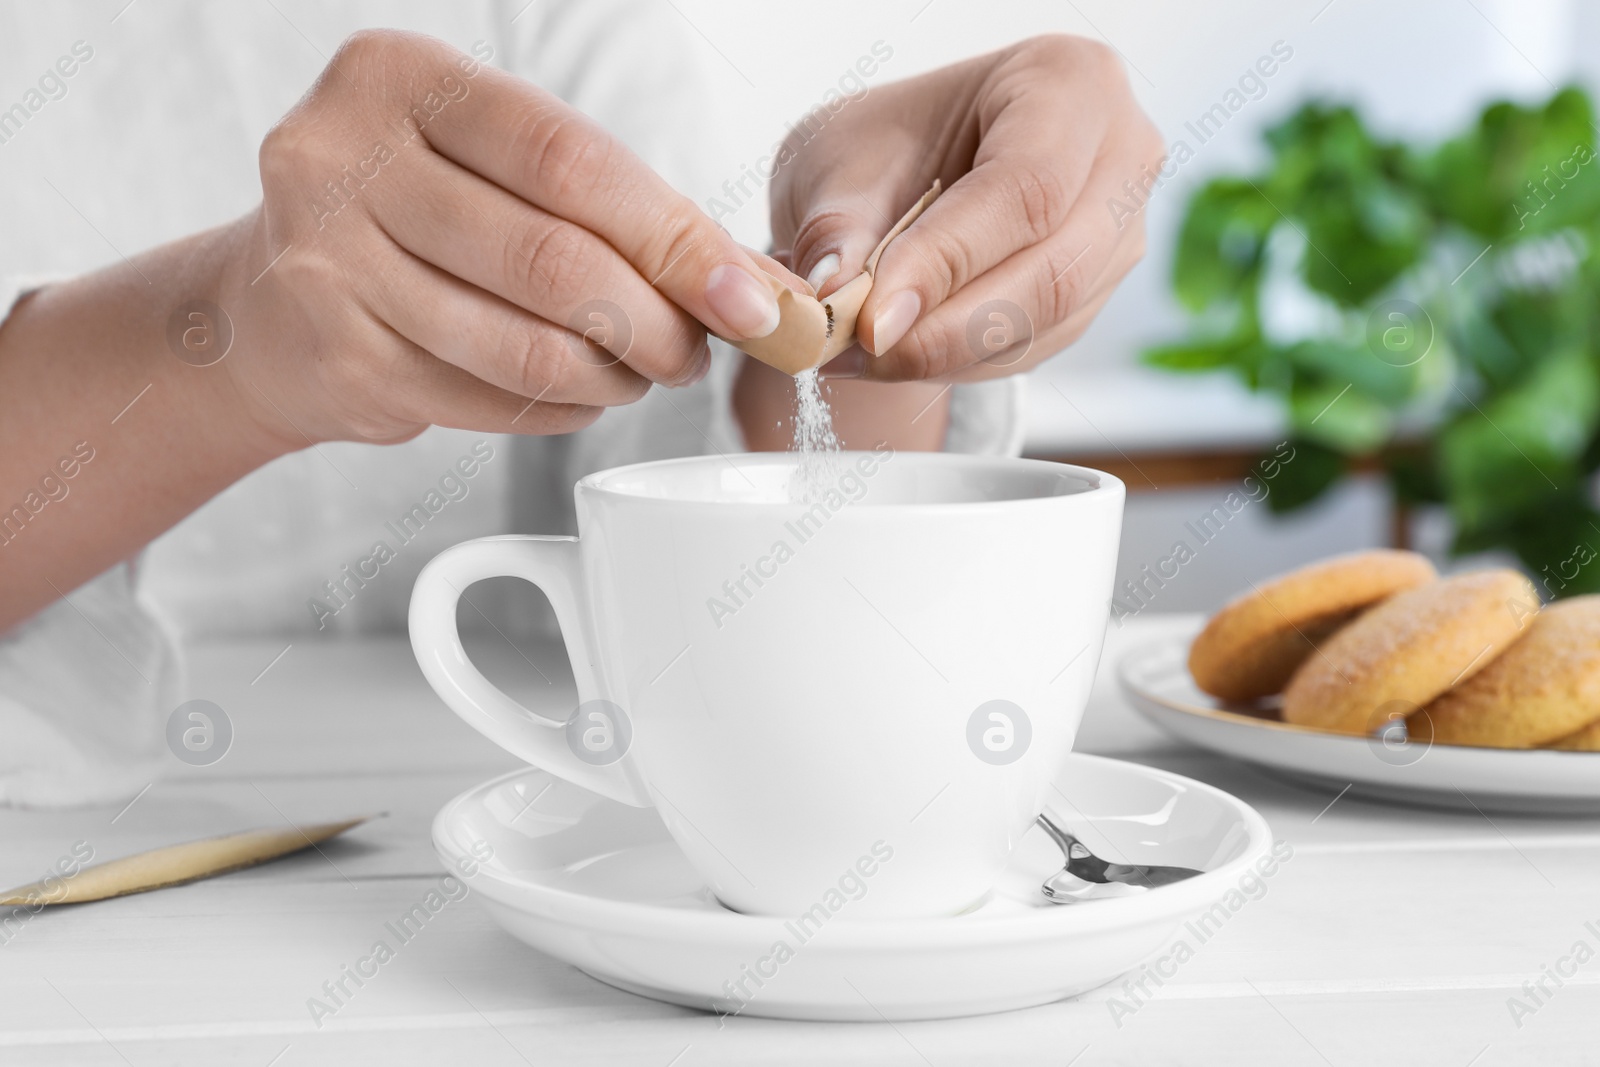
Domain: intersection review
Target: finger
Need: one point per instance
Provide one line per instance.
(493, 339)
(833, 203)
(1031, 169)
(980, 223)
(1021, 312)
(425, 390)
(842, 227)
(1025, 172)
(480, 233)
(530, 143)
(1029, 355)
(1046, 281)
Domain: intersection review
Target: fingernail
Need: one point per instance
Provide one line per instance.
(894, 319)
(826, 268)
(702, 370)
(743, 302)
(850, 363)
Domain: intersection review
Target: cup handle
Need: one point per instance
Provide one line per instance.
(552, 564)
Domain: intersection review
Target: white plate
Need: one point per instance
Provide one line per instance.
(1156, 678)
(601, 886)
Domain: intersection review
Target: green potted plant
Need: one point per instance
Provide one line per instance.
(1432, 311)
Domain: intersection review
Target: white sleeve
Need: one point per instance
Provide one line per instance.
(988, 418)
(86, 685)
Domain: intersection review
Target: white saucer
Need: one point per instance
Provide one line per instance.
(1156, 678)
(601, 886)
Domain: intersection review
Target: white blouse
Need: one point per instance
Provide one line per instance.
(153, 136)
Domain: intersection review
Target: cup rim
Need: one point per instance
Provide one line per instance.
(1102, 484)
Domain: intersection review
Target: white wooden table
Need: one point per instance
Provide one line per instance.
(1393, 936)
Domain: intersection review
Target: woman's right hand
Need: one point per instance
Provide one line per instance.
(435, 239)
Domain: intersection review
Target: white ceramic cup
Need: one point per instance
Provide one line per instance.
(856, 705)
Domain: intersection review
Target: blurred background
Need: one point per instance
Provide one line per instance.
(1417, 74)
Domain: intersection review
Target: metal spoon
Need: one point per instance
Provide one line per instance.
(1084, 871)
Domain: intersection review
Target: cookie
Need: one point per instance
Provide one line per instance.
(1543, 688)
(1405, 652)
(1249, 649)
(1585, 740)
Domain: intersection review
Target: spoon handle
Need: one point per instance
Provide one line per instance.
(1079, 860)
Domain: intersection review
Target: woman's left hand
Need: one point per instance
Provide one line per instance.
(1010, 264)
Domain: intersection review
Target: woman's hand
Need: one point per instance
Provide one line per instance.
(435, 241)
(1011, 263)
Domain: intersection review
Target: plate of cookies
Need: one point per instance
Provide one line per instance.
(1371, 671)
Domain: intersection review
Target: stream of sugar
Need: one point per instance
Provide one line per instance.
(816, 446)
